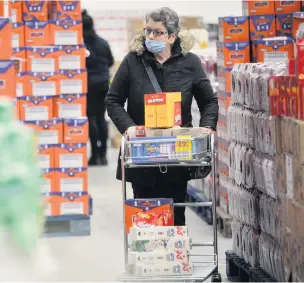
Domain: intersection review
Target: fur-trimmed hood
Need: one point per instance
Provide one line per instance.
(187, 41)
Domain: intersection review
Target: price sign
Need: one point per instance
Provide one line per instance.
(183, 148)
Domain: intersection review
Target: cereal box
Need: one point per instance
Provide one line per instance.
(18, 35)
(41, 84)
(48, 181)
(35, 10)
(254, 7)
(66, 32)
(72, 57)
(70, 105)
(37, 34)
(66, 10)
(284, 24)
(233, 29)
(69, 155)
(73, 81)
(287, 6)
(46, 156)
(262, 26)
(71, 180)
(76, 130)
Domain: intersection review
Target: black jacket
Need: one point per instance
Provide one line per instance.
(100, 59)
(182, 72)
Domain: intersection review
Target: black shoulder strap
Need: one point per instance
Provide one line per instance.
(152, 76)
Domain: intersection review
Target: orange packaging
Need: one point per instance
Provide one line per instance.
(76, 130)
(6, 45)
(48, 180)
(298, 18)
(71, 57)
(275, 49)
(66, 32)
(16, 15)
(8, 78)
(70, 155)
(46, 156)
(41, 59)
(70, 105)
(36, 108)
(67, 204)
(5, 8)
(73, 81)
(253, 7)
(66, 10)
(285, 6)
(233, 29)
(37, 34)
(18, 35)
(41, 84)
(17, 109)
(22, 81)
(35, 10)
(231, 53)
(19, 56)
(262, 26)
(71, 180)
(284, 24)
(49, 132)
(135, 206)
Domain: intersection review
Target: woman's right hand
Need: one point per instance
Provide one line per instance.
(130, 131)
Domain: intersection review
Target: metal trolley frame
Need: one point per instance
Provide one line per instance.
(202, 269)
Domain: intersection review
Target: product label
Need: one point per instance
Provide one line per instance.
(71, 185)
(71, 208)
(71, 160)
(48, 137)
(70, 86)
(66, 38)
(69, 62)
(44, 88)
(43, 65)
(275, 57)
(183, 148)
(70, 111)
(44, 161)
(15, 40)
(289, 177)
(36, 113)
(45, 186)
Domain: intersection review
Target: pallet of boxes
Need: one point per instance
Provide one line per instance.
(264, 121)
(44, 40)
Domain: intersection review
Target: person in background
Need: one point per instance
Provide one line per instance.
(163, 47)
(98, 64)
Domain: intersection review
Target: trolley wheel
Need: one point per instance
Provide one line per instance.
(216, 277)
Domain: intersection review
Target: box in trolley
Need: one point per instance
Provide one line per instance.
(177, 243)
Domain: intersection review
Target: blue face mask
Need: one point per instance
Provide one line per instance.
(155, 46)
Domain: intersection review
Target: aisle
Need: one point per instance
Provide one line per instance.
(100, 256)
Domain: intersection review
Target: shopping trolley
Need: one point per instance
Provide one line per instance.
(174, 151)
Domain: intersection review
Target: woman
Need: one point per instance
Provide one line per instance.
(167, 52)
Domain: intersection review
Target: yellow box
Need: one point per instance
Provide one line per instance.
(163, 110)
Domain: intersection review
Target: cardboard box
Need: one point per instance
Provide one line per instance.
(48, 181)
(253, 7)
(22, 81)
(41, 59)
(7, 78)
(133, 207)
(35, 10)
(19, 56)
(37, 33)
(284, 24)
(233, 29)
(262, 26)
(66, 32)
(71, 155)
(17, 9)
(41, 84)
(73, 81)
(298, 18)
(46, 156)
(71, 180)
(18, 35)
(163, 110)
(5, 39)
(72, 57)
(38, 108)
(66, 10)
(68, 203)
(275, 49)
(285, 7)
(76, 130)
(233, 53)
(49, 132)
(70, 105)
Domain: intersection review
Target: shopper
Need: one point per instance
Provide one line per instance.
(98, 65)
(176, 69)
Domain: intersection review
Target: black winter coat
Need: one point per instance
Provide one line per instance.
(182, 72)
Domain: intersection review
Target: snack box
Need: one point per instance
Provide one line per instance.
(69, 155)
(73, 81)
(46, 156)
(76, 130)
(165, 269)
(41, 83)
(41, 59)
(71, 180)
(262, 26)
(38, 108)
(178, 243)
(253, 7)
(65, 32)
(284, 24)
(275, 49)
(16, 15)
(8, 78)
(285, 6)
(71, 57)
(48, 180)
(37, 33)
(5, 8)
(59, 204)
(298, 19)
(35, 10)
(18, 35)
(157, 233)
(66, 10)
(231, 53)
(49, 132)
(233, 29)
(180, 256)
(6, 32)
(70, 105)
(136, 206)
